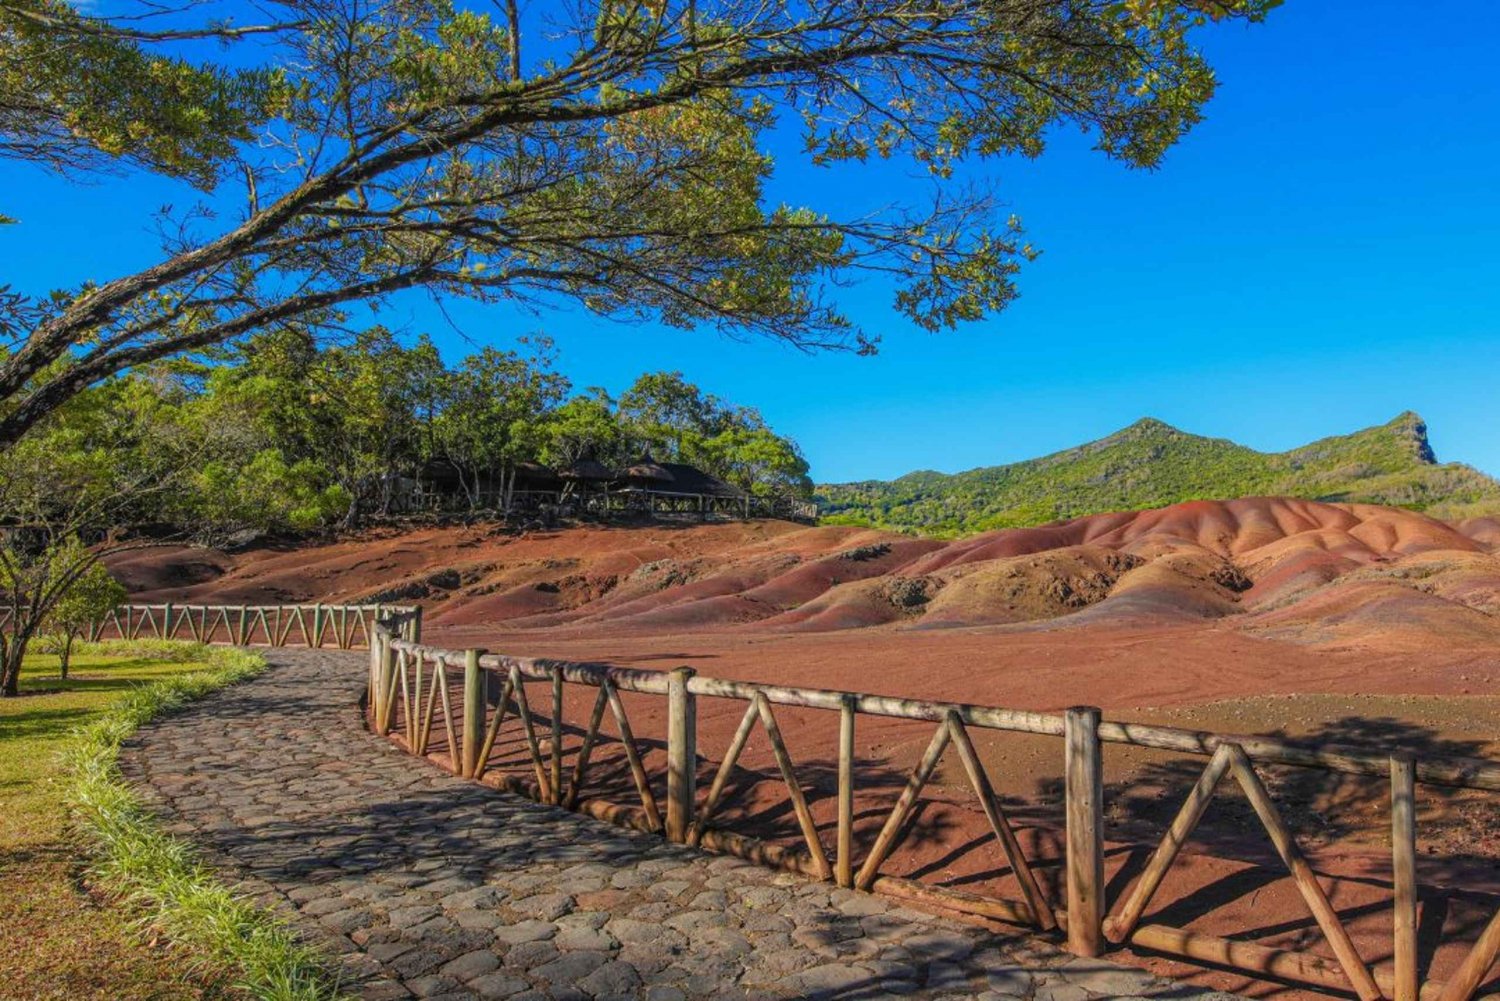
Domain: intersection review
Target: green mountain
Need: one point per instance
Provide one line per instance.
(1152, 464)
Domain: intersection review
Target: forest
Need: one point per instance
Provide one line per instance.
(283, 432)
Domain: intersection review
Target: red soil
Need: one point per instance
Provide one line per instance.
(1324, 579)
(1345, 622)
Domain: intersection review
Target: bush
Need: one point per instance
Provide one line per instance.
(145, 648)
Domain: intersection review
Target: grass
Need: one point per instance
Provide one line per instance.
(164, 927)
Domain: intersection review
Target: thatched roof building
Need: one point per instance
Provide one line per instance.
(646, 473)
(587, 470)
(440, 474)
(535, 476)
(692, 480)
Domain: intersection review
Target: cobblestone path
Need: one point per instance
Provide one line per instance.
(430, 886)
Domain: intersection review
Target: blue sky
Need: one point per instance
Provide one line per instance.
(1317, 256)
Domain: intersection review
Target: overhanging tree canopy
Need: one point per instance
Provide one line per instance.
(605, 152)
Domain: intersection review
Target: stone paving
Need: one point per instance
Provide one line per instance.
(430, 886)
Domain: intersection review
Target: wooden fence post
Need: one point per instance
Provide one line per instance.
(166, 621)
(682, 754)
(1083, 770)
(844, 860)
(387, 686)
(372, 699)
(474, 687)
(1404, 872)
(556, 736)
(377, 682)
(414, 624)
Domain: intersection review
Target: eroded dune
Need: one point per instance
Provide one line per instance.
(1298, 570)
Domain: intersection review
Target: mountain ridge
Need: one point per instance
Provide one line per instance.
(1151, 463)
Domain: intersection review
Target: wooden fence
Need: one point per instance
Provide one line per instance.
(604, 502)
(412, 693)
(340, 627)
(468, 696)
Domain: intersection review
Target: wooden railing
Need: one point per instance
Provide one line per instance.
(629, 500)
(412, 693)
(340, 627)
(453, 705)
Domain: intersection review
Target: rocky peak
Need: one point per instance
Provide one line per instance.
(1412, 429)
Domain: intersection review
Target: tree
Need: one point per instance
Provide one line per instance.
(93, 594)
(115, 453)
(609, 153)
(670, 415)
(361, 411)
(78, 93)
(664, 412)
(32, 581)
(333, 428)
(760, 462)
(584, 427)
(230, 496)
(495, 406)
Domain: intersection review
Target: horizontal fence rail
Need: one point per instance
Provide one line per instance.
(455, 706)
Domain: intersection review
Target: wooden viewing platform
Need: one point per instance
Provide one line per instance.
(607, 502)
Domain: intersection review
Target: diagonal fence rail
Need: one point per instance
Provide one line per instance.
(457, 707)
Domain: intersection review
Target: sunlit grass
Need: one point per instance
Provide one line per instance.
(163, 925)
(56, 939)
(35, 727)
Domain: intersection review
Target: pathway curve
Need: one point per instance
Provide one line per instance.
(431, 886)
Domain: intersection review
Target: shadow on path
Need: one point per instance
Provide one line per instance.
(432, 886)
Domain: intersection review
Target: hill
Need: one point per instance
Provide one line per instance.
(1152, 464)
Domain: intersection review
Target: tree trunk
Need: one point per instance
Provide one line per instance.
(470, 496)
(65, 655)
(351, 516)
(11, 652)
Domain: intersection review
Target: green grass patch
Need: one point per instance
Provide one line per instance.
(162, 878)
(57, 940)
(186, 937)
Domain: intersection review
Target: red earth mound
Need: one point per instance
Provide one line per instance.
(1302, 571)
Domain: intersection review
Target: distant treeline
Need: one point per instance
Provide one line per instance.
(282, 433)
